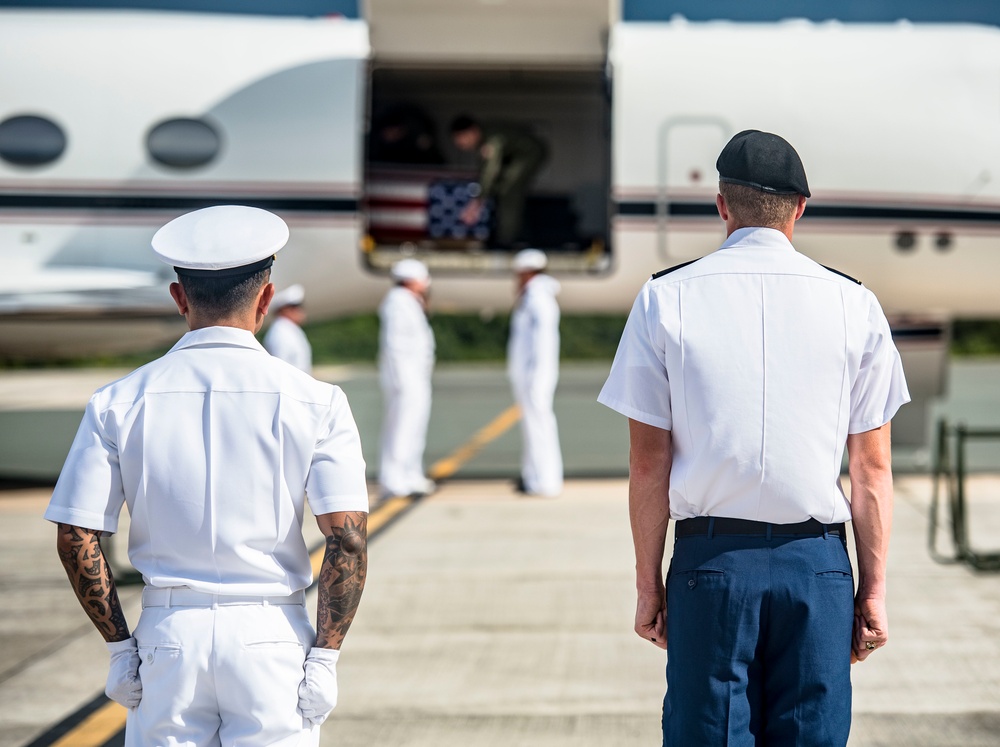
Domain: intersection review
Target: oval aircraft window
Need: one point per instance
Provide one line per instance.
(183, 143)
(29, 140)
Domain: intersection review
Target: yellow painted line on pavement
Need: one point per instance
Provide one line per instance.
(497, 427)
(390, 508)
(386, 511)
(97, 729)
(107, 721)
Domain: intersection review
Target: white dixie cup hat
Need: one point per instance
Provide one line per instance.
(529, 260)
(293, 295)
(409, 269)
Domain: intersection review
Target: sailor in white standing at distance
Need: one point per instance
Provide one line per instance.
(406, 363)
(533, 369)
(215, 448)
(285, 338)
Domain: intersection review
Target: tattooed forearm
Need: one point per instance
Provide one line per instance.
(90, 574)
(342, 577)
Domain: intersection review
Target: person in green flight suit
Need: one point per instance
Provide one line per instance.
(510, 157)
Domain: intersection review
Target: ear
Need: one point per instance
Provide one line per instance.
(180, 298)
(720, 205)
(801, 207)
(264, 299)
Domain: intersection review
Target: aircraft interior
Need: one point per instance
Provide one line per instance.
(417, 181)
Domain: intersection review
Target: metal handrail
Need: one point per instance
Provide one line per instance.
(941, 469)
(953, 473)
(662, 206)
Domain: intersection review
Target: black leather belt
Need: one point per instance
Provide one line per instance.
(723, 525)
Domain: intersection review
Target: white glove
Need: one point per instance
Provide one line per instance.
(318, 689)
(124, 685)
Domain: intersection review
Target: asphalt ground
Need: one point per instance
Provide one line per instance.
(491, 619)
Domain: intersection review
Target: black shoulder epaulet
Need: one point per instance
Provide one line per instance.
(667, 271)
(842, 274)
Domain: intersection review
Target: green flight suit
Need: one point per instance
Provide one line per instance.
(512, 157)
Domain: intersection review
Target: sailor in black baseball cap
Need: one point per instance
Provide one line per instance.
(763, 161)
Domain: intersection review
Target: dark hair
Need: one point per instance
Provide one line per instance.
(751, 207)
(226, 295)
(462, 122)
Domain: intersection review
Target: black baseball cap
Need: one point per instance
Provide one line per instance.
(763, 161)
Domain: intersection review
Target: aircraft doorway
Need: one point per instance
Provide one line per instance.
(417, 181)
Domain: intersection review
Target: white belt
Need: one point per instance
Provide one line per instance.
(182, 596)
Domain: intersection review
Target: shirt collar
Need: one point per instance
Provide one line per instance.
(216, 336)
(758, 237)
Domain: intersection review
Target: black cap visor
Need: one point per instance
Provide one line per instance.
(226, 272)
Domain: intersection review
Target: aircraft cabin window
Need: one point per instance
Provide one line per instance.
(30, 140)
(183, 143)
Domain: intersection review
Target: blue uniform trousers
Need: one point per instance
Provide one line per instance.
(759, 641)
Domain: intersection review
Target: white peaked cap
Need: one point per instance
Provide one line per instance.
(409, 269)
(528, 260)
(293, 295)
(232, 238)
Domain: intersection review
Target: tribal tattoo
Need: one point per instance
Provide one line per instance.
(90, 574)
(342, 578)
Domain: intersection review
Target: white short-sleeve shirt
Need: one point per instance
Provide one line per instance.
(214, 448)
(760, 362)
(533, 345)
(406, 341)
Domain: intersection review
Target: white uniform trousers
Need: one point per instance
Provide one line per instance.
(404, 437)
(221, 676)
(541, 457)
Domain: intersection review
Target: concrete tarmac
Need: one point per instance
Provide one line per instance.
(40, 412)
(491, 619)
(505, 621)
(496, 620)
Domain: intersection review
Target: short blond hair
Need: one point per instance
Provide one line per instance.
(752, 207)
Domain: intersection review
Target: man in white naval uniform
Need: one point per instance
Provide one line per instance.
(406, 363)
(533, 370)
(285, 338)
(214, 448)
(744, 374)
